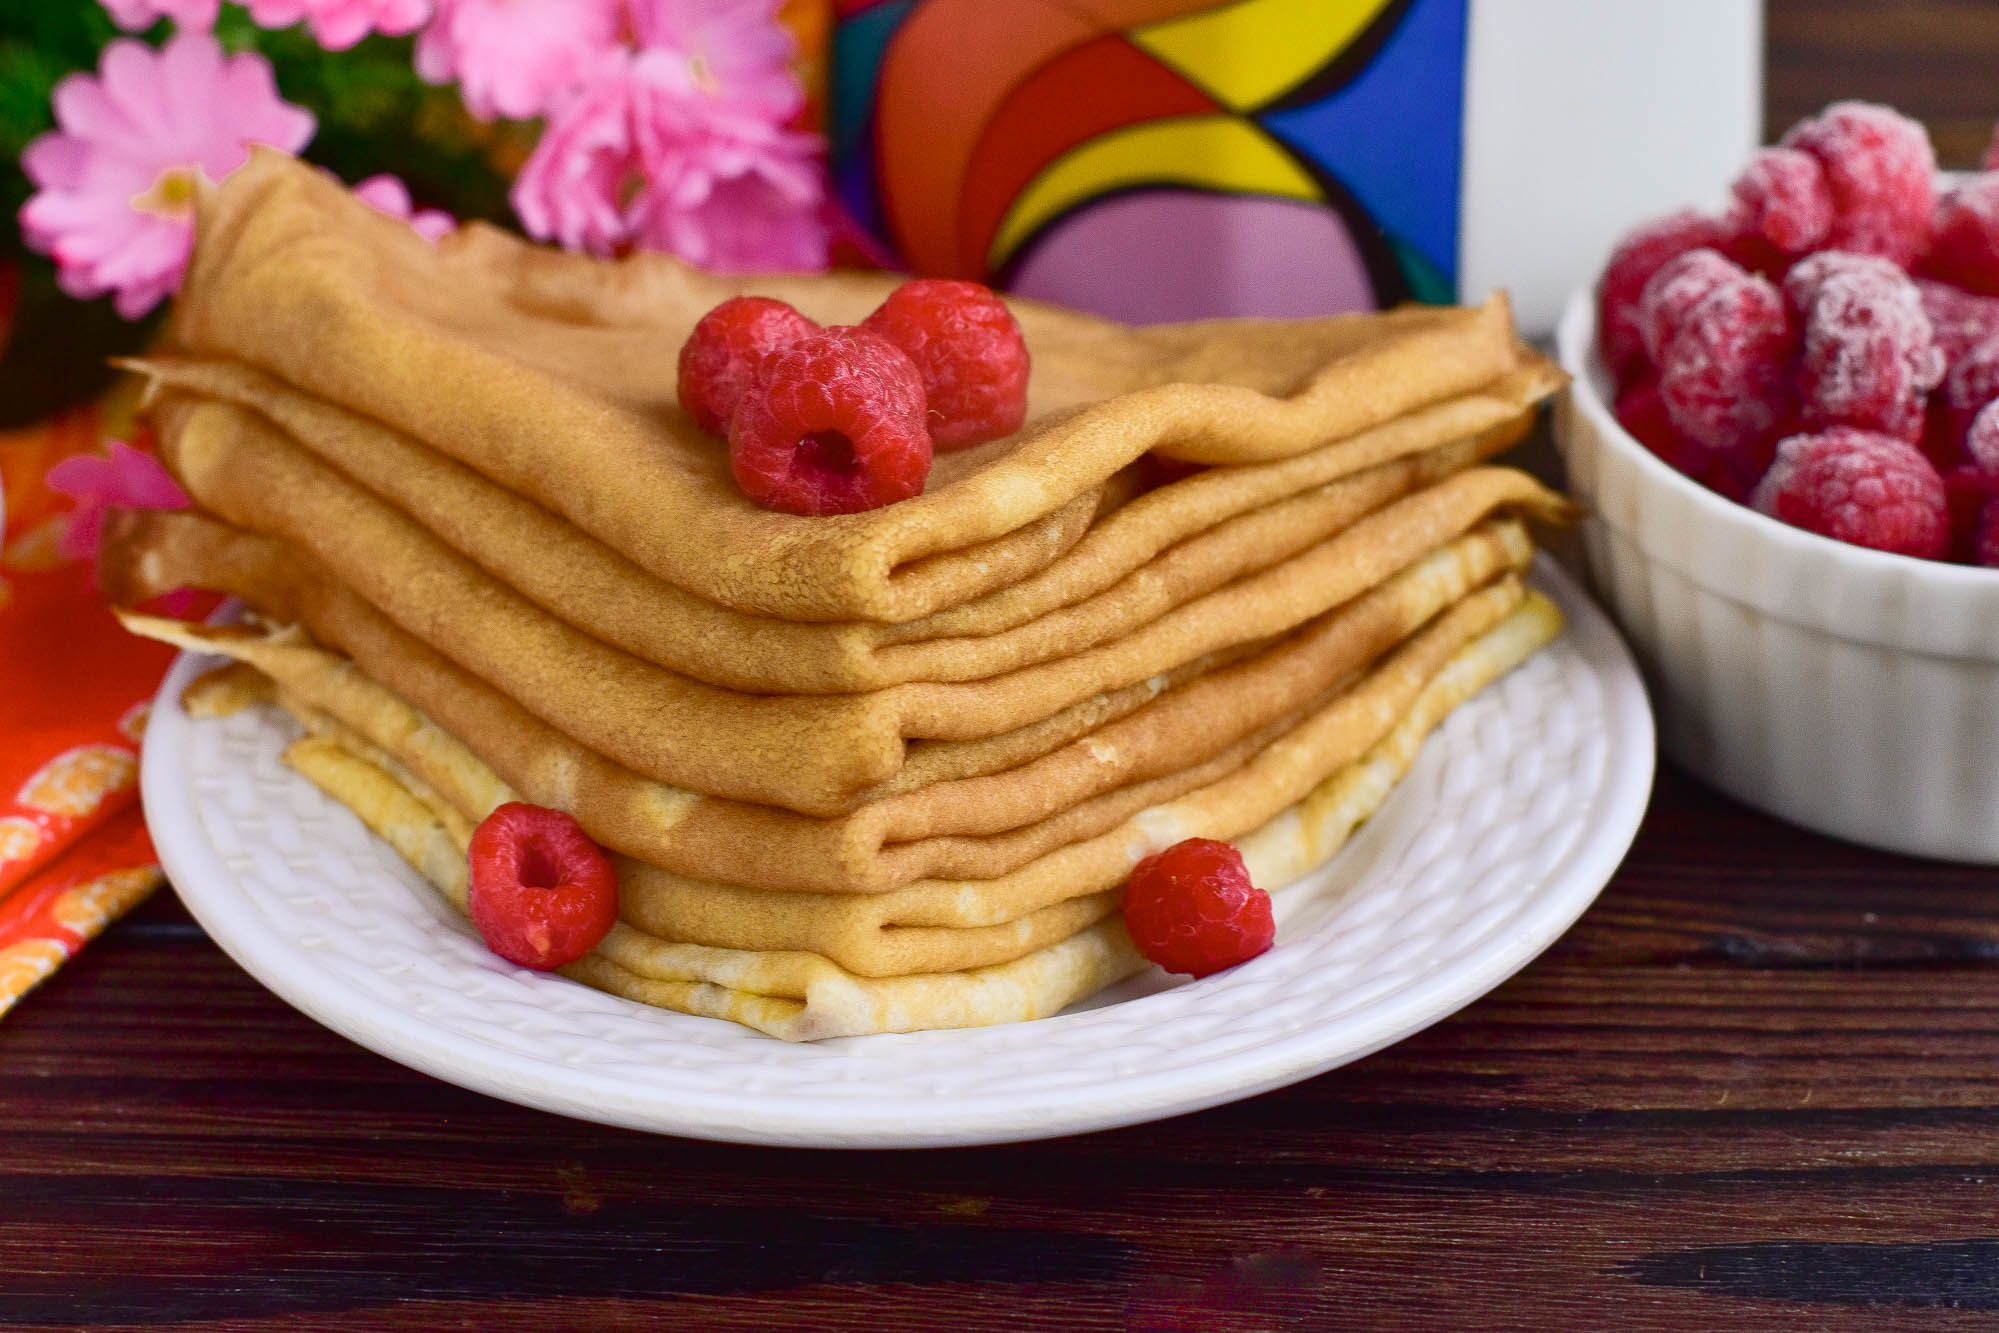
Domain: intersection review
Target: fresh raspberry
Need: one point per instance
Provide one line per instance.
(1631, 266)
(968, 348)
(1882, 172)
(1960, 320)
(1680, 284)
(831, 424)
(542, 893)
(1964, 244)
(1861, 487)
(1869, 359)
(1191, 908)
(720, 356)
(1783, 200)
(1726, 374)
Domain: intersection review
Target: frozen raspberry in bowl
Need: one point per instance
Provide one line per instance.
(1841, 681)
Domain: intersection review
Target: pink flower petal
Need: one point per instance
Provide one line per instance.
(108, 206)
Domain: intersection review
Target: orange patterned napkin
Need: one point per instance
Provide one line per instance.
(73, 691)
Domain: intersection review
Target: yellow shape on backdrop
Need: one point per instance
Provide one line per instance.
(1221, 153)
(1250, 53)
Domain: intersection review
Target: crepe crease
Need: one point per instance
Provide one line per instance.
(876, 772)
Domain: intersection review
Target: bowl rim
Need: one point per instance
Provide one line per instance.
(1934, 607)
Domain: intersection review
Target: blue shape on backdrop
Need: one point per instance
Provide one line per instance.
(1393, 135)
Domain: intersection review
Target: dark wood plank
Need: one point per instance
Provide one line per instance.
(1933, 59)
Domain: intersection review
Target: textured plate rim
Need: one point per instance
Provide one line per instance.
(221, 905)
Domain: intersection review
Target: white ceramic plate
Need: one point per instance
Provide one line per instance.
(1515, 815)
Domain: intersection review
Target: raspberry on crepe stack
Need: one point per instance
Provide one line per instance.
(869, 632)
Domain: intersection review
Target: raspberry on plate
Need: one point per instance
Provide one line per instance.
(542, 893)
(720, 356)
(1868, 359)
(969, 351)
(1882, 172)
(1861, 487)
(1783, 200)
(1725, 373)
(1640, 255)
(1959, 320)
(1192, 909)
(1964, 244)
(831, 424)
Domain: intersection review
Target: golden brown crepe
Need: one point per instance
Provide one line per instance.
(803, 996)
(801, 752)
(967, 827)
(553, 375)
(1205, 531)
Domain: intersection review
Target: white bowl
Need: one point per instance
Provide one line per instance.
(1848, 690)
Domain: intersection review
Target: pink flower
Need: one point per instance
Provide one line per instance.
(387, 194)
(123, 479)
(642, 156)
(116, 183)
(138, 15)
(338, 24)
(737, 195)
(513, 57)
(736, 50)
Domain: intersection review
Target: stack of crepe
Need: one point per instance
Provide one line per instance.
(874, 772)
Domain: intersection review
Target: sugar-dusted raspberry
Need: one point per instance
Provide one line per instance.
(1960, 320)
(542, 894)
(1191, 908)
(1680, 284)
(1964, 244)
(1858, 486)
(831, 424)
(1726, 374)
(1971, 383)
(1981, 442)
(1641, 410)
(1803, 280)
(1631, 266)
(969, 350)
(1868, 358)
(1882, 171)
(1783, 199)
(1967, 491)
(719, 357)
(1985, 542)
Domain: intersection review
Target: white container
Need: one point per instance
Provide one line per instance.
(1852, 691)
(1583, 118)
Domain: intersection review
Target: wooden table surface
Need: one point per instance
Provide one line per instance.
(1756, 1087)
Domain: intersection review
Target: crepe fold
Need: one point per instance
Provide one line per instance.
(810, 753)
(553, 376)
(804, 994)
(976, 826)
(1204, 531)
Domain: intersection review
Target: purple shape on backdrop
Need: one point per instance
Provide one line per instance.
(1153, 256)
